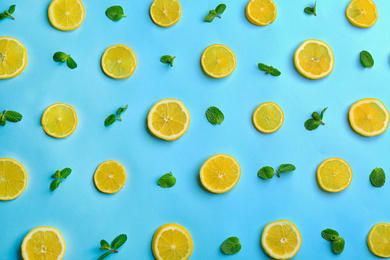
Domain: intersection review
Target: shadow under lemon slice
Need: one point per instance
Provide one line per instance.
(13, 57)
(13, 179)
(334, 175)
(110, 177)
(59, 120)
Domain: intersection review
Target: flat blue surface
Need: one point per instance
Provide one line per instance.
(85, 216)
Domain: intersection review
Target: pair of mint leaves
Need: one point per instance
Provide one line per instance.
(333, 236)
(268, 172)
(269, 69)
(115, 245)
(315, 121)
(311, 10)
(168, 59)
(60, 56)
(8, 13)
(215, 13)
(112, 118)
(59, 176)
(10, 116)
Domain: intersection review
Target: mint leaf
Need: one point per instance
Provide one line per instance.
(13, 116)
(115, 13)
(60, 56)
(220, 8)
(2, 120)
(57, 175)
(330, 234)
(378, 177)
(214, 115)
(105, 255)
(168, 59)
(338, 245)
(167, 180)
(274, 72)
(209, 18)
(316, 116)
(110, 120)
(312, 124)
(322, 113)
(65, 173)
(266, 172)
(231, 246)
(122, 109)
(286, 168)
(71, 63)
(118, 241)
(263, 67)
(366, 59)
(54, 185)
(104, 245)
(11, 9)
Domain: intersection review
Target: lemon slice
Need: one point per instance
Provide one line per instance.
(168, 119)
(362, 13)
(369, 117)
(220, 173)
(268, 117)
(59, 120)
(119, 62)
(314, 59)
(13, 179)
(43, 243)
(334, 175)
(66, 15)
(13, 57)
(261, 12)
(281, 239)
(378, 240)
(110, 177)
(172, 242)
(218, 61)
(165, 13)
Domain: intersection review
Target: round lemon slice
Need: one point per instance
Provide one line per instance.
(165, 13)
(220, 173)
(261, 12)
(59, 120)
(218, 61)
(66, 15)
(13, 57)
(334, 175)
(268, 117)
(378, 240)
(172, 242)
(110, 177)
(362, 13)
(13, 179)
(369, 117)
(314, 59)
(281, 239)
(43, 243)
(119, 61)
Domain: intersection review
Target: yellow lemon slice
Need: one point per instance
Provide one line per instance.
(281, 239)
(119, 62)
(13, 57)
(218, 61)
(362, 13)
(268, 117)
(314, 59)
(172, 242)
(369, 117)
(43, 243)
(13, 179)
(220, 173)
(261, 12)
(59, 120)
(165, 13)
(110, 177)
(334, 175)
(168, 119)
(378, 240)
(66, 15)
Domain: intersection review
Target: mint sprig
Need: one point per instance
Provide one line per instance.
(168, 59)
(10, 116)
(366, 59)
(267, 172)
(378, 177)
(59, 177)
(62, 57)
(115, 245)
(112, 118)
(269, 69)
(311, 10)
(115, 13)
(8, 13)
(315, 121)
(167, 180)
(215, 13)
(231, 246)
(333, 236)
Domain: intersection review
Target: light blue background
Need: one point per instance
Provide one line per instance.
(85, 216)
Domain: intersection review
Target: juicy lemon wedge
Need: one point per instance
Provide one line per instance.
(13, 179)
(220, 173)
(378, 240)
(268, 117)
(168, 119)
(13, 57)
(362, 13)
(172, 242)
(369, 117)
(165, 13)
(43, 243)
(59, 120)
(334, 175)
(110, 177)
(119, 62)
(314, 59)
(66, 15)
(218, 61)
(261, 12)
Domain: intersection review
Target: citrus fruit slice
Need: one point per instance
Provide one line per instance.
(314, 59)
(218, 61)
(362, 13)
(43, 243)
(334, 175)
(168, 119)
(110, 177)
(220, 173)
(119, 61)
(13, 179)
(59, 120)
(268, 117)
(172, 242)
(13, 57)
(281, 239)
(378, 240)
(369, 117)
(66, 15)
(165, 13)
(261, 12)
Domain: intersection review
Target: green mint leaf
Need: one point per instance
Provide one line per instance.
(263, 67)
(104, 245)
(71, 63)
(7, 13)
(378, 177)
(312, 124)
(2, 120)
(309, 10)
(57, 175)
(105, 255)
(167, 180)
(322, 113)
(209, 18)
(220, 8)
(274, 72)
(65, 173)
(13, 116)
(286, 168)
(330, 234)
(110, 120)
(366, 59)
(266, 172)
(315, 9)
(122, 109)
(213, 12)
(316, 116)
(60, 56)
(231, 246)
(54, 185)
(2, 16)
(11, 9)
(118, 241)
(214, 115)
(338, 245)
(115, 13)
